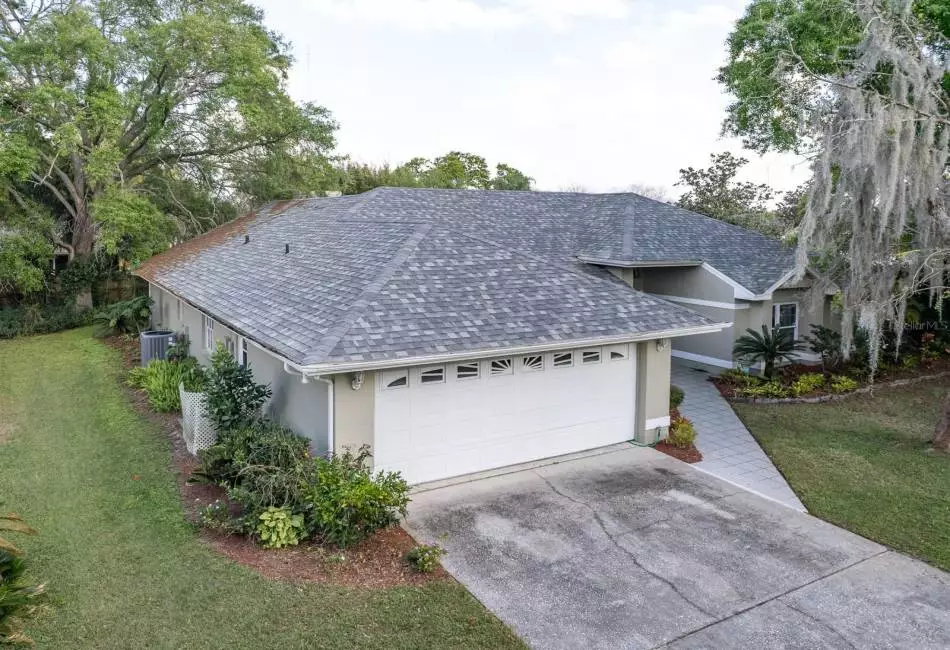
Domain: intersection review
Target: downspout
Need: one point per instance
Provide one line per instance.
(305, 379)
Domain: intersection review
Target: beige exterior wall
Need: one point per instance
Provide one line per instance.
(653, 391)
(353, 411)
(687, 282)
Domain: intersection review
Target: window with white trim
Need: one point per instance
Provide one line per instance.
(617, 352)
(466, 370)
(563, 359)
(207, 324)
(242, 352)
(534, 363)
(393, 379)
(500, 367)
(785, 318)
(433, 375)
(231, 347)
(590, 356)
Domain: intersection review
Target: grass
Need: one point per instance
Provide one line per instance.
(863, 464)
(124, 568)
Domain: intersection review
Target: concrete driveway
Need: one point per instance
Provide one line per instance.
(632, 549)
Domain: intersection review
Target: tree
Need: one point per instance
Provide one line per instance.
(454, 170)
(106, 104)
(654, 192)
(877, 224)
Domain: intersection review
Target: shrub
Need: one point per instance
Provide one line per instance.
(737, 377)
(279, 527)
(232, 395)
(425, 557)
(842, 384)
(826, 343)
(125, 317)
(682, 433)
(346, 503)
(769, 347)
(769, 389)
(160, 379)
(180, 349)
(37, 319)
(676, 396)
(17, 599)
(808, 382)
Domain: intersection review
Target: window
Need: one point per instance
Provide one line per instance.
(434, 375)
(590, 356)
(563, 359)
(785, 318)
(500, 367)
(532, 363)
(395, 379)
(208, 324)
(231, 347)
(178, 311)
(617, 352)
(466, 371)
(242, 352)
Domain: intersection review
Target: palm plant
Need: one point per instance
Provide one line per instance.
(12, 522)
(769, 347)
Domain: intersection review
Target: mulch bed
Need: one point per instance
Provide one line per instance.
(374, 563)
(689, 455)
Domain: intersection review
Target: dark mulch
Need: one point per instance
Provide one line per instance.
(374, 563)
(688, 455)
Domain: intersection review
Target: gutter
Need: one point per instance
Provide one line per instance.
(634, 265)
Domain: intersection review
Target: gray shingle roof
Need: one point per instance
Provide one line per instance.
(406, 273)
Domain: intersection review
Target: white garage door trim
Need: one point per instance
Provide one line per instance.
(435, 422)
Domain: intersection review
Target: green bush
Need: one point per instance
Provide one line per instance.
(808, 382)
(346, 503)
(41, 319)
(425, 557)
(160, 380)
(682, 433)
(769, 389)
(232, 395)
(180, 349)
(280, 527)
(842, 384)
(676, 396)
(125, 317)
(770, 347)
(739, 378)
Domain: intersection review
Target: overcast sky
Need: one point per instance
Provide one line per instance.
(593, 93)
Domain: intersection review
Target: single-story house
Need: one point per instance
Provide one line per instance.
(458, 331)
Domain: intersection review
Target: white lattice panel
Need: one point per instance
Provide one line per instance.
(196, 428)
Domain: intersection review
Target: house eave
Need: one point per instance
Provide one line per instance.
(634, 264)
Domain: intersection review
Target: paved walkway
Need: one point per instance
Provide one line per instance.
(729, 450)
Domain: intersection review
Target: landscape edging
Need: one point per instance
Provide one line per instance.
(836, 396)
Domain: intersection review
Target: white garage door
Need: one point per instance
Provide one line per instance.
(440, 421)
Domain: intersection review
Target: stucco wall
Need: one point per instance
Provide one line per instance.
(653, 391)
(353, 411)
(688, 282)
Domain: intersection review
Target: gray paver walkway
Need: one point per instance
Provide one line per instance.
(729, 450)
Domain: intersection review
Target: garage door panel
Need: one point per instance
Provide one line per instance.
(433, 431)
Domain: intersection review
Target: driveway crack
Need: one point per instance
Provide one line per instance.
(820, 622)
(613, 540)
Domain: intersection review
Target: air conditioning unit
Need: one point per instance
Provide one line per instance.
(154, 344)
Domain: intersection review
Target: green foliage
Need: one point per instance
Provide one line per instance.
(130, 225)
(40, 319)
(124, 317)
(826, 343)
(215, 515)
(768, 390)
(682, 433)
(161, 379)
(454, 170)
(425, 557)
(18, 599)
(842, 384)
(279, 527)
(25, 254)
(180, 349)
(738, 377)
(232, 395)
(676, 396)
(806, 383)
(769, 347)
(347, 503)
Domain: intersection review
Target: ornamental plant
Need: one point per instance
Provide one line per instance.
(769, 347)
(425, 557)
(279, 527)
(232, 395)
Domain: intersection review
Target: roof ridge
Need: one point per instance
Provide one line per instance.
(336, 333)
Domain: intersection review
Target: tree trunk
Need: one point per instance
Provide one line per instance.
(941, 440)
(84, 238)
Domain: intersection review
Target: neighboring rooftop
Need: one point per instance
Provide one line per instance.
(400, 273)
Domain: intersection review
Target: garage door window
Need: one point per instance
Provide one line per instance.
(466, 371)
(590, 356)
(500, 367)
(617, 352)
(563, 359)
(434, 375)
(533, 363)
(393, 379)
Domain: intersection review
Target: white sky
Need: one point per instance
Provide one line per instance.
(593, 93)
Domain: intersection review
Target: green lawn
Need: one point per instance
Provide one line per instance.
(862, 463)
(125, 570)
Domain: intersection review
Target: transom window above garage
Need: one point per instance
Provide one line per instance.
(433, 375)
(466, 370)
(617, 352)
(533, 363)
(563, 359)
(590, 356)
(393, 379)
(500, 367)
